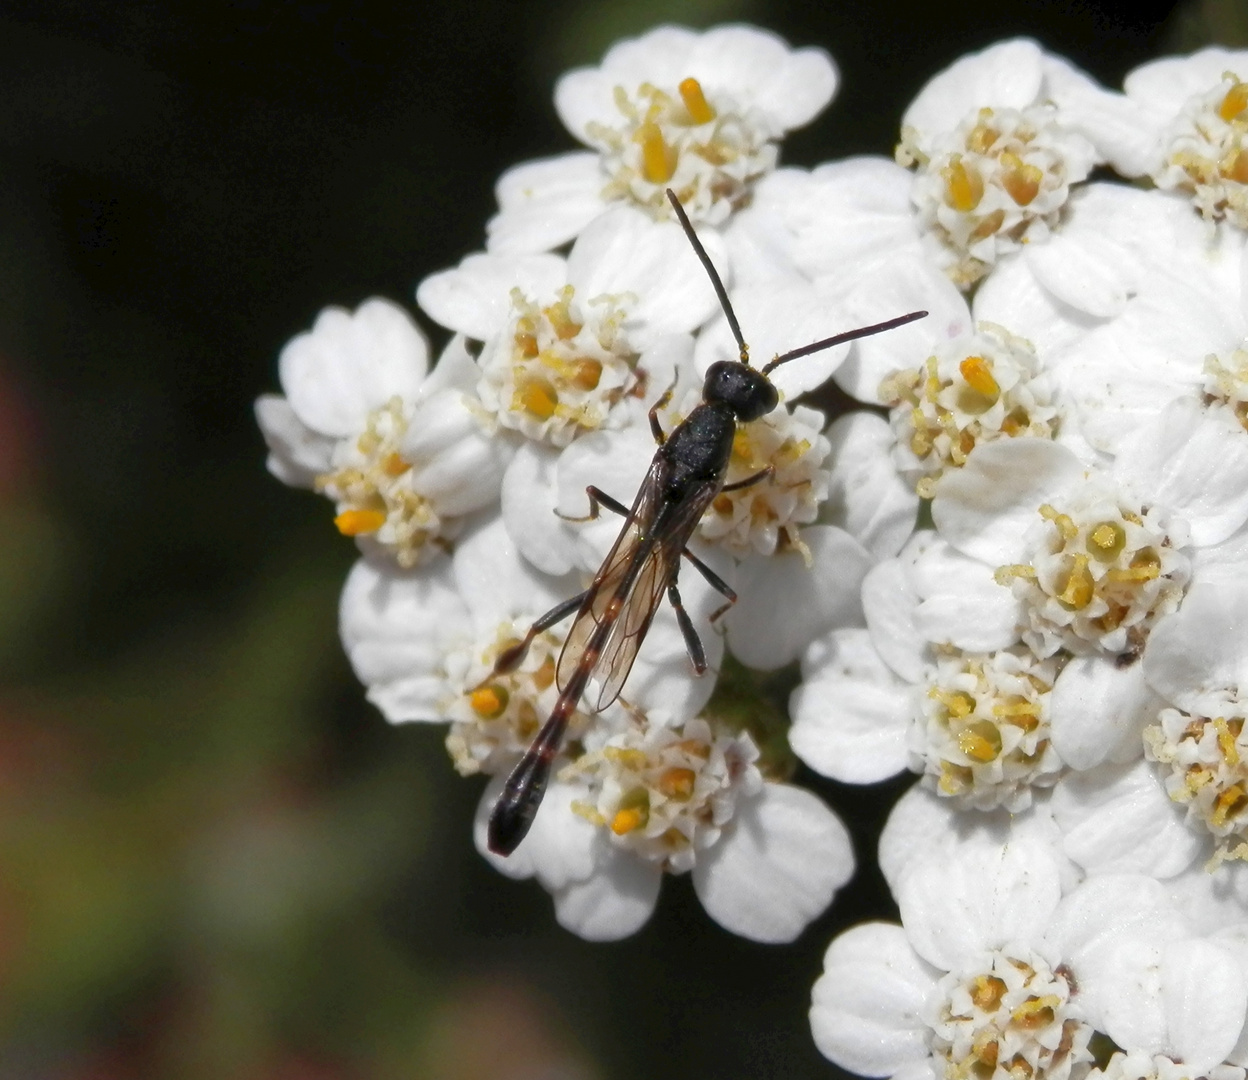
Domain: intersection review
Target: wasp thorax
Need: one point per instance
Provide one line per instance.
(743, 389)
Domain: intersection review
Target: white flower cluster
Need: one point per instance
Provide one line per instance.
(1029, 585)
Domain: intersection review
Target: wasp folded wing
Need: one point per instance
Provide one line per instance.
(630, 586)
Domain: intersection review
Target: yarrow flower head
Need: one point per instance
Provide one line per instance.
(398, 450)
(985, 387)
(976, 725)
(570, 345)
(700, 113)
(995, 163)
(1183, 123)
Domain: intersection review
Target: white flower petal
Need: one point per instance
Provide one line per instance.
(790, 87)
(980, 895)
(783, 604)
(890, 291)
(351, 363)
(1118, 819)
(1202, 649)
(1006, 75)
(624, 251)
(867, 1006)
(529, 497)
(397, 628)
(474, 298)
(1092, 274)
(496, 583)
(776, 867)
(866, 496)
(985, 507)
(777, 316)
(890, 604)
(1205, 998)
(851, 714)
(1194, 462)
(1099, 711)
(545, 203)
(845, 217)
(297, 455)
(457, 465)
(561, 848)
(1110, 930)
(960, 602)
(614, 903)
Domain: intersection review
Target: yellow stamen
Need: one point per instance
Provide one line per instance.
(537, 397)
(700, 111)
(1036, 1012)
(980, 741)
(958, 704)
(1145, 566)
(1076, 592)
(1235, 101)
(545, 675)
(1020, 180)
(1005, 575)
(560, 315)
(1064, 522)
(978, 375)
(526, 338)
(988, 225)
(1237, 170)
(1106, 540)
(1019, 713)
(359, 522)
(489, 702)
(625, 821)
(982, 135)
(658, 160)
(586, 374)
(987, 992)
(963, 186)
(1226, 741)
(394, 465)
(677, 784)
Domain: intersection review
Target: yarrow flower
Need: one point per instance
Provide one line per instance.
(398, 450)
(700, 113)
(995, 162)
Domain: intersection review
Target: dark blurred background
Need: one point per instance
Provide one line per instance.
(215, 859)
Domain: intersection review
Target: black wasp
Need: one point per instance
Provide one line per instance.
(614, 613)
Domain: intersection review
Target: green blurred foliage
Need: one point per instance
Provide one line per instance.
(216, 860)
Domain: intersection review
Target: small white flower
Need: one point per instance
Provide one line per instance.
(700, 113)
(574, 345)
(995, 162)
(1189, 798)
(663, 795)
(971, 985)
(398, 449)
(976, 725)
(977, 389)
(1183, 122)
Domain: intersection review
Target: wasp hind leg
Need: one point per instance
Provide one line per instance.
(513, 656)
(693, 643)
(715, 582)
(597, 500)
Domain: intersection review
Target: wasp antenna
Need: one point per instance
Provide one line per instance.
(849, 335)
(720, 291)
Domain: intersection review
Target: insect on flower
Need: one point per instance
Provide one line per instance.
(614, 613)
